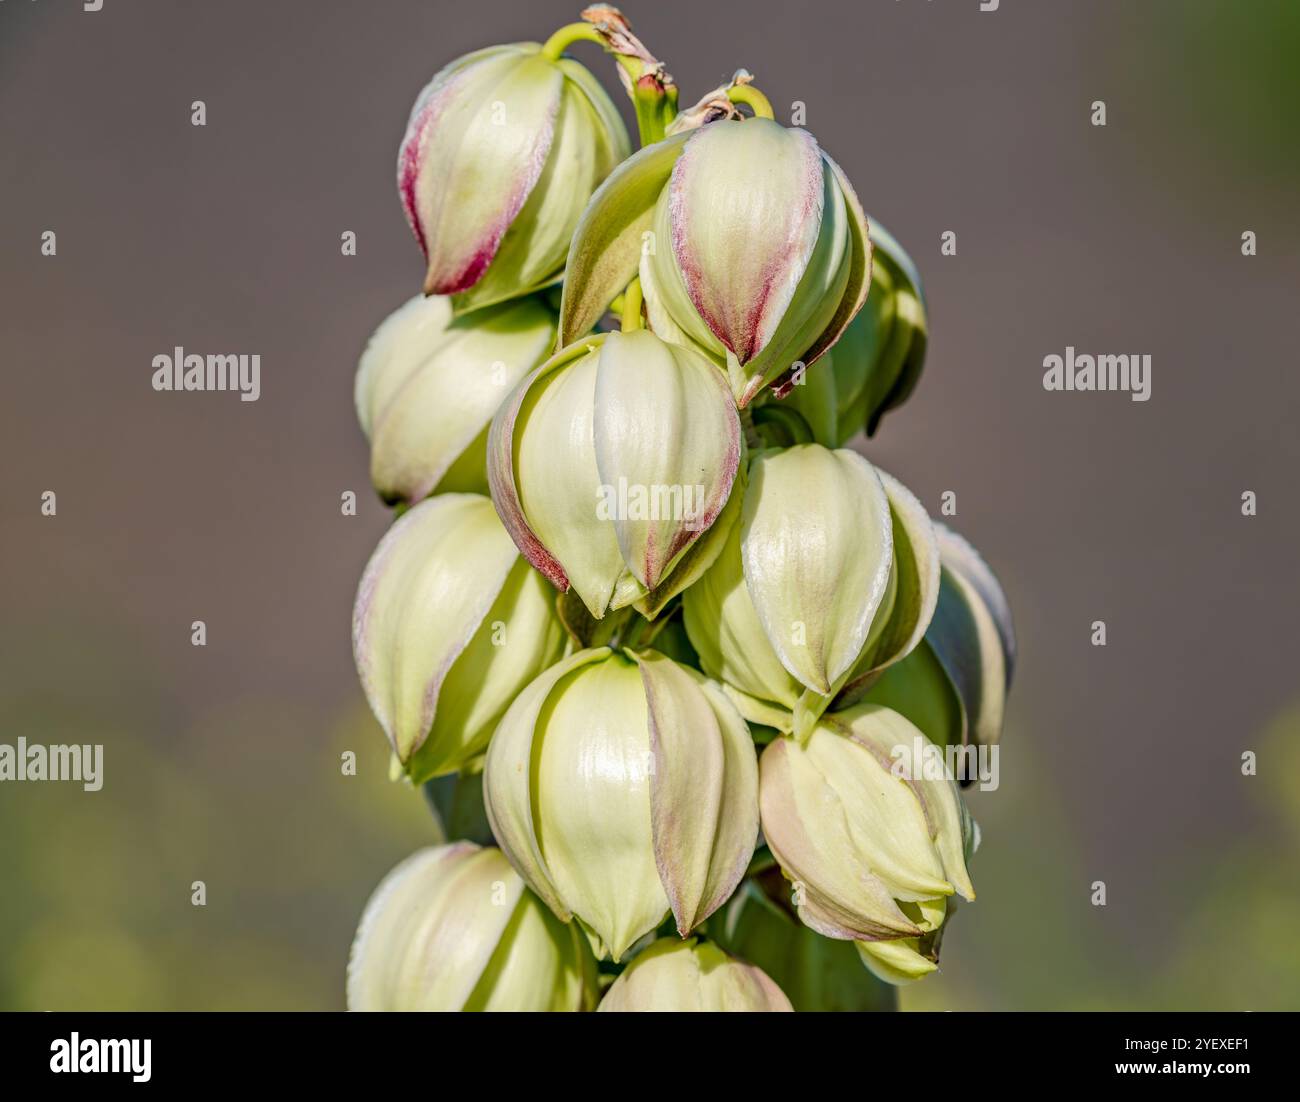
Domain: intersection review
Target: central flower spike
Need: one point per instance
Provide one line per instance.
(622, 787)
(749, 241)
(610, 466)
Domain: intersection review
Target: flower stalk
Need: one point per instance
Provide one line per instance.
(742, 92)
(567, 35)
(650, 633)
(648, 83)
(631, 308)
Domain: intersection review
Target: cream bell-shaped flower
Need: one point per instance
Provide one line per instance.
(830, 576)
(454, 928)
(623, 787)
(610, 466)
(874, 845)
(691, 976)
(428, 385)
(450, 623)
(750, 245)
(503, 149)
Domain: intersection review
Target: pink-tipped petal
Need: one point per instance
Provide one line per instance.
(474, 148)
(501, 475)
(666, 430)
(745, 210)
(859, 285)
(704, 789)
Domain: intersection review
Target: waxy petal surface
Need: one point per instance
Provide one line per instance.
(667, 446)
(423, 596)
(475, 146)
(817, 547)
(746, 207)
(704, 789)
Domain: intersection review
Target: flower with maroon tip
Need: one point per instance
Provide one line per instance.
(503, 148)
(749, 241)
(611, 465)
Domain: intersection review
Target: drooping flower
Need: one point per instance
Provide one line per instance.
(454, 928)
(623, 787)
(874, 845)
(611, 465)
(749, 241)
(428, 385)
(450, 623)
(503, 148)
(830, 575)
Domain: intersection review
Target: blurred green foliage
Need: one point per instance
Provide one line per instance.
(1234, 946)
(250, 798)
(1222, 74)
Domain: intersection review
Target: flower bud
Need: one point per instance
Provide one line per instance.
(503, 149)
(622, 787)
(610, 465)
(691, 976)
(428, 385)
(454, 928)
(450, 623)
(873, 367)
(750, 244)
(873, 848)
(830, 576)
(954, 685)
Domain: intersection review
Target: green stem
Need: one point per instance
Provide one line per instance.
(566, 36)
(653, 100)
(632, 306)
(748, 94)
(752, 436)
(625, 629)
(648, 634)
(760, 862)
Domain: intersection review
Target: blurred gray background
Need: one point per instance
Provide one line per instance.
(1120, 763)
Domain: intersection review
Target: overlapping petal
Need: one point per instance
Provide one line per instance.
(623, 788)
(501, 151)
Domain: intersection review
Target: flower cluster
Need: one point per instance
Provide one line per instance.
(671, 642)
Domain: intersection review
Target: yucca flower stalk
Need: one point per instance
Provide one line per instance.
(663, 648)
